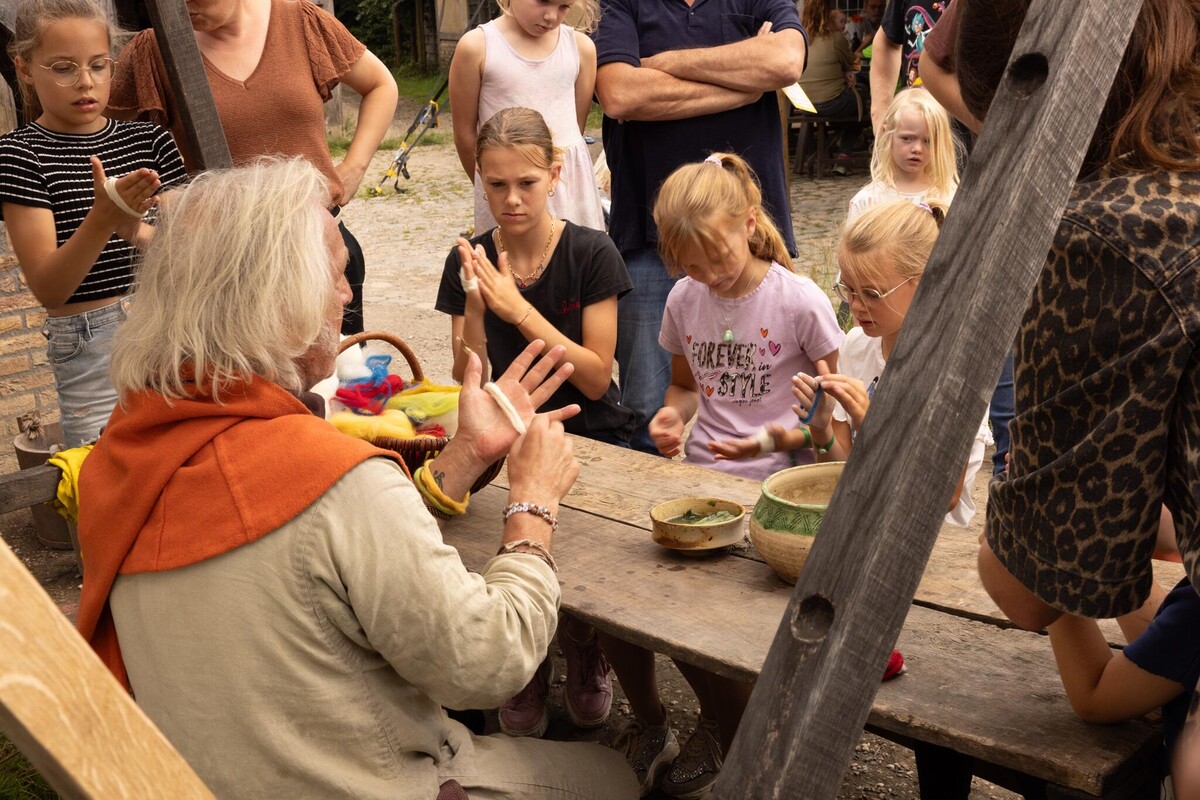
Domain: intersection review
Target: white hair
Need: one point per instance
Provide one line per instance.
(237, 281)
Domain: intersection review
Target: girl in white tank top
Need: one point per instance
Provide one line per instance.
(528, 58)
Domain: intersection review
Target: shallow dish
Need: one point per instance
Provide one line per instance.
(692, 537)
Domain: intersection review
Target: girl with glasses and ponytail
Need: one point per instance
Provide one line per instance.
(882, 256)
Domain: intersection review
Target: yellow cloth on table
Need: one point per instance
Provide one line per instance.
(66, 502)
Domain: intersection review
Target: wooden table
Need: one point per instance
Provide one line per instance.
(974, 686)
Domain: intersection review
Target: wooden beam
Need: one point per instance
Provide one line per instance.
(822, 672)
(189, 84)
(65, 712)
(335, 115)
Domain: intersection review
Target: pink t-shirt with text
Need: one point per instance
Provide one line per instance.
(779, 329)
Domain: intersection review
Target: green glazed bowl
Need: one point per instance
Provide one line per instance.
(788, 514)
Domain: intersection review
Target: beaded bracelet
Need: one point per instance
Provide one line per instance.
(542, 552)
(823, 448)
(513, 509)
(429, 489)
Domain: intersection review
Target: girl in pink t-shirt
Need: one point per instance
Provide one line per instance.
(741, 322)
(738, 327)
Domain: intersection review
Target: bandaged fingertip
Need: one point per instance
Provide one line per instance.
(469, 284)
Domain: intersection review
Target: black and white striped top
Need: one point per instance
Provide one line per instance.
(46, 169)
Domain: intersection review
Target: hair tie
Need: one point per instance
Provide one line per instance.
(928, 208)
(714, 159)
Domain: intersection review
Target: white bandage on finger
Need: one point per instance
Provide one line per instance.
(506, 406)
(469, 284)
(110, 188)
(766, 442)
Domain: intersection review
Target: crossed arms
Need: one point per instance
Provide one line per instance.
(680, 84)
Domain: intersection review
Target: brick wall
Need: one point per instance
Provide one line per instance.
(26, 383)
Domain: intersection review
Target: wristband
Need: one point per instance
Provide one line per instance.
(506, 406)
(513, 509)
(542, 552)
(521, 321)
(808, 442)
(824, 448)
(766, 442)
(110, 188)
(433, 493)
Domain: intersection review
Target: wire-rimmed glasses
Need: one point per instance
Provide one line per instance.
(66, 73)
(868, 295)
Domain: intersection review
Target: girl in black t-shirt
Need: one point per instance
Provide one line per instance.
(537, 277)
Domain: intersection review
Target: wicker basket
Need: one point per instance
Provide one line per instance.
(415, 452)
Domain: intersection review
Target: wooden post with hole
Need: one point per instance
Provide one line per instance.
(821, 674)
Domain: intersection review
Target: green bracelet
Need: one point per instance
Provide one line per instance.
(808, 442)
(824, 448)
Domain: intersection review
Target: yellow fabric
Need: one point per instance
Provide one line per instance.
(423, 405)
(69, 461)
(392, 424)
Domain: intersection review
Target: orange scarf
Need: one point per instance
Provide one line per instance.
(174, 483)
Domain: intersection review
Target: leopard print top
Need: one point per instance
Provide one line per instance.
(1107, 398)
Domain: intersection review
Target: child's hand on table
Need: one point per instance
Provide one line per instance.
(666, 429)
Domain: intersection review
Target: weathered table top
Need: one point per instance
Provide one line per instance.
(972, 684)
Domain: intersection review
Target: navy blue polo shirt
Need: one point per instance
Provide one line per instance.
(642, 154)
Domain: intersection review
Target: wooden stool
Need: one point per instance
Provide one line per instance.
(810, 125)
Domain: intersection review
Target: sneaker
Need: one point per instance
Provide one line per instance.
(895, 665)
(587, 694)
(839, 170)
(693, 774)
(525, 714)
(648, 750)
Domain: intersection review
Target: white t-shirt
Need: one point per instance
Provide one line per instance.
(876, 193)
(861, 357)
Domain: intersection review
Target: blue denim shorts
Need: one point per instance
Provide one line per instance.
(79, 347)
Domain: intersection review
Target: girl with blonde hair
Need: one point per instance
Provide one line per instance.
(71, 225)
(738, 325)
(535, 276)
(914, 155)
(882, 255)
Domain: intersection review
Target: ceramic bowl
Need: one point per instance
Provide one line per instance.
(691, 537)
(788, 514)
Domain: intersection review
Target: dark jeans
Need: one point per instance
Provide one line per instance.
(847, 137)
(356, 273)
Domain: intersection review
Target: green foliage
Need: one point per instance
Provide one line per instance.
(18, 779)
(339, 144)
(371, 22)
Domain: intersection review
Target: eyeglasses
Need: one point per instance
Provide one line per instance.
(66, 73)
(869, 296)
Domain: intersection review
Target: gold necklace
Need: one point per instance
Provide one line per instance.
(537, 272)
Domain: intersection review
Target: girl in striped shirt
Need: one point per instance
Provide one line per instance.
(73, 227)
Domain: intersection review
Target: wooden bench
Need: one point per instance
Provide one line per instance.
(979, 696)
(815, 127)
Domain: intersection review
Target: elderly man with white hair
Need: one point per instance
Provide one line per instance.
(276, 594)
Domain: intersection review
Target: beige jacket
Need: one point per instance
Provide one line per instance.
(315, 661)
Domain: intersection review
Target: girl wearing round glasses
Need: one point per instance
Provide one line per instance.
(70, 225)
(882, 256)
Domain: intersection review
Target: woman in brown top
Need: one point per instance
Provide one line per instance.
(271, 65)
